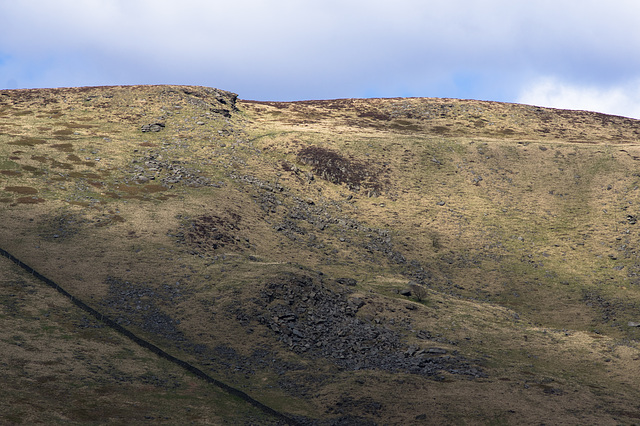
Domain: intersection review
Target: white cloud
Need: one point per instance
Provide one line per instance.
(551, 92)
(294, 49)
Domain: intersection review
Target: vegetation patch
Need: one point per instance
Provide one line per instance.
(40, 158)
(79, 126)
(63, 132)
(337, 169)
(84, 175)
(405, 125)
(207, 233)
(30, 200)
(440, 129)
(9, 164)
(153, 188)
(24, 190)
(109, 219)
(28, 141)
(59, 165)
(63, 225)
(74, 158)
(22, 113)
(376, 115)
(64, 147)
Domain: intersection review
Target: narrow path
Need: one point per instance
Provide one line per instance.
(147, 345)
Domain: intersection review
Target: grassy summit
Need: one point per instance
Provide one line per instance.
(272, 245)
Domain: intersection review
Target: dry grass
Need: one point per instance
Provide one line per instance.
(518, 220)
(61, 367)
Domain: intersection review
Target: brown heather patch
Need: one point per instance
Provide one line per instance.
(30, 200)
(64, 132)
(21, 189)
(28, 141)
(208, 233)
(40, 158)
(80, 203)
(337, 169)
(22, 113)
(63, 147)
(84, 175)
(152, 189)
(59, 165)
(135, 190)
(166, 197)
(80, 126)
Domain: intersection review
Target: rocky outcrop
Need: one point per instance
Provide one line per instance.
(317, 321)
(169, 173)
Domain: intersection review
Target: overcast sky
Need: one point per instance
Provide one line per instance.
(577, 54)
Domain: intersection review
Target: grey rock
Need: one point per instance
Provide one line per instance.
(357, 303)
(347, 281)
(152, 127)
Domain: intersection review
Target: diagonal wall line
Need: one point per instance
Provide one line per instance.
(147, 345)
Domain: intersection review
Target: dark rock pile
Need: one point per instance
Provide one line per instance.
(335, 168)
(317, 321)
(169, 173)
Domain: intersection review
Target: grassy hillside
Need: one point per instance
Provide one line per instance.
(387, 261)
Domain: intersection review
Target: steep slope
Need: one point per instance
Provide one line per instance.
(273, 245)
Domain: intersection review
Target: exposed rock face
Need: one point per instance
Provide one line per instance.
(320, 322)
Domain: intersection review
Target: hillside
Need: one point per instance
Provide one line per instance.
(379, 261)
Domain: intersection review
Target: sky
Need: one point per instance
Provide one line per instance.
(575, 54)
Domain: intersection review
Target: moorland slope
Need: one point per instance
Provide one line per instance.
(378, 261)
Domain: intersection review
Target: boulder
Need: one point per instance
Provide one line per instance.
(152, 127)
(347, 281)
